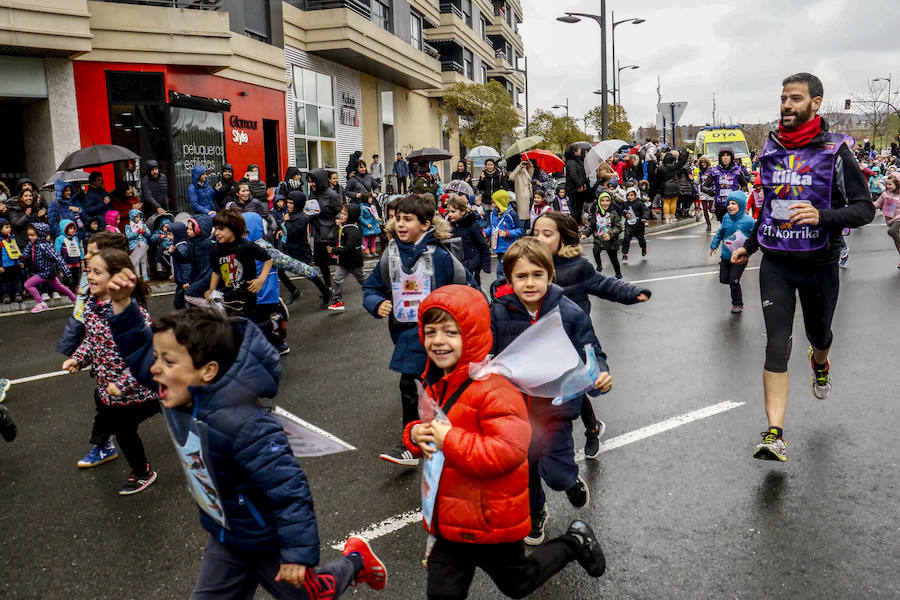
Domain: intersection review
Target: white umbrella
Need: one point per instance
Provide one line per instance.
(599, 153)
(482, 152)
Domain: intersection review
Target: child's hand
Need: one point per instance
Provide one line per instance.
(605, 237)
(255, 285)
(293, 574)
(439, 431)
(121, 285)
(385, 308)
(423, 437)
(171, 249)
(643, 297)
(603, 383)
(711, 251)
(70, 365)
(112, 390)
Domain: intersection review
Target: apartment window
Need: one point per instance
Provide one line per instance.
(415, 30)
(467, 12)
(315, 141)
(381, 14)
(482, 28)
(256, 20)
(468, 64)
(483, 74)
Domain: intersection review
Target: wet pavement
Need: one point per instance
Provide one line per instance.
(683, 512)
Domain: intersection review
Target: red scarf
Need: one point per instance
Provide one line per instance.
(799, 136)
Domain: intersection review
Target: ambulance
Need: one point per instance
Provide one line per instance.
(710, 140)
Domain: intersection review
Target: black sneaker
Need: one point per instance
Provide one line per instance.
(8, 427)
(284, 349)
(399, 455)
(579, 496)
(592, 440)
(138, 483)
(295, 295)
(536, 536)
(327, 298)
(590, 554)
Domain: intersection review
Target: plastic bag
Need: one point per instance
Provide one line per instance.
(433, 465)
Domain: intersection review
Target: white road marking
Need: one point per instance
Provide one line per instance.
(674, 229)
(679, 237)
(69, 306)
(398, 522)
(38, 377)
(687, 275)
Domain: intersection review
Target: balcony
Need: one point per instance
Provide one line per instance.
(452, 29)
(452, 65)
(500, 28)
(45, 28)
(194, 4)
(360, 7)
(346, 36)
(449, 7)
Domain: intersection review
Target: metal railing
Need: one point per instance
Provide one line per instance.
(452, 65)
(361, 7)
(451, 7)
(195, 4)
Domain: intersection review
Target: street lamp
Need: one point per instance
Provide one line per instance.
(618, 87)
(572, 17)
(565, 106)
(615, 24)
(525, 73)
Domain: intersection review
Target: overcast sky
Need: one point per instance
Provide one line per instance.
(738, 50)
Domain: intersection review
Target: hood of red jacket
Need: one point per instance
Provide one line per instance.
(471, 312)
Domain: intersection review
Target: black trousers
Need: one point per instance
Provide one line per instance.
(612, 253)
(409, 397)
(451, 566)
(587, 414)
(323, 260)
(720, 213)
(626, 241)
(11, 281)
(74, 278)
(730, 274)
(779, 286)
(283, 278)
(401, 185)
(122, 421)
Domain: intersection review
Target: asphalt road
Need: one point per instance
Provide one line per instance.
(682, 509)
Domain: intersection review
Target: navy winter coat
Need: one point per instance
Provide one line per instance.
(509, 319)
(577, 277)
(264, 492)
(330, 204)
(476, 249)
(154, 190)
(201, 247)
(181, 256)
(93, 204)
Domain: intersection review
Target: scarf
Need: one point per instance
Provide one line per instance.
(800, 136)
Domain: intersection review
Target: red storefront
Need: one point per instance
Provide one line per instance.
(181, 117)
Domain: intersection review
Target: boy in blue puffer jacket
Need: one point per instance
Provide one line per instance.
(736, 227)
(253, 496)
(504, 227)
(199, 232)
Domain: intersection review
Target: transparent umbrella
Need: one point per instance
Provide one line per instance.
(599, 153)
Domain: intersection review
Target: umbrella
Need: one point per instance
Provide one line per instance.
(523, 145)
(582, 145)
(76, 176)
(460, 187)
(482, 152)
(428, 155)
(600, 153)
(94, 156)
(545, 160)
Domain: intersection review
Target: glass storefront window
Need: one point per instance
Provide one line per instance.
(312, 149)
(315, 145)
(300, 154)
(329, 154)
(299, 119)
(323, 84)
(326, 122)
(309, 85)
(312, 120)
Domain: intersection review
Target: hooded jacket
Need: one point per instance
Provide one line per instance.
(351, 162)
(270, 291)
(667, 177)
(575, 175)
(15, 212)
(324, 228)
(286, 188)
(476, 249)
(264, 492)
(491, 182)
(61, 208)
(482, 497)
(223, 195)
(732, 224)
(111, 218)
(61, 245)
(609, 220)
(368, 219)
(505, 220)
(154, 190)
(41, 257)
(200, 195)
(349, 248)
(137, 233)
(201, 247)
(296, 242)
(181, 255)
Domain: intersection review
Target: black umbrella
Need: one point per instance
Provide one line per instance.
(94, 156)
(77, 176)
(428, 155)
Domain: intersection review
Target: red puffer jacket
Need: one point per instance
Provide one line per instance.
(483, 494)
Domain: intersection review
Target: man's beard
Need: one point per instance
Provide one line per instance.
(800, 117)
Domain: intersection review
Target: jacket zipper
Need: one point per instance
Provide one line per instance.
(244, 501)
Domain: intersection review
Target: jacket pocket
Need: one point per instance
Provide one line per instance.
(244, 501)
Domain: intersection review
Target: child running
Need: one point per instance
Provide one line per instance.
(69, 247)
(578, 278)
(233, 264)
(476, 251)
(349, 251)
(43, 261)
(889, 203)
(606, 228)
(122, 402)
(636, 216)
(527, 297)
(485, 463)
(256, 503)
(736, 227)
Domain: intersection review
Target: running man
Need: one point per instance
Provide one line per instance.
(813, 188)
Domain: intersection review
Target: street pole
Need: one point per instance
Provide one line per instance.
(612, 19)
(527, 121)
(604, 103)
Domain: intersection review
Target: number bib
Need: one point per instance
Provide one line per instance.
(409, 290)
(12, 249)
(72, 248)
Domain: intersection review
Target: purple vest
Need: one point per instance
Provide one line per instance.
(727, 181)
(795, 176)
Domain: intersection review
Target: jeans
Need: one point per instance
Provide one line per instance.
(340, 275)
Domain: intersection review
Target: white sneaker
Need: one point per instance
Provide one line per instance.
(45, 296)
(55, 296)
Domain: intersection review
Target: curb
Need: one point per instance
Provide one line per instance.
(27, 305)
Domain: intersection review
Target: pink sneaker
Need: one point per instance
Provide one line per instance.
(40, 307)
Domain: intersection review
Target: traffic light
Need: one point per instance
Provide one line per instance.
(847, 104)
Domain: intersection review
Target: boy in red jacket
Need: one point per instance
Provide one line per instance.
(482, 509)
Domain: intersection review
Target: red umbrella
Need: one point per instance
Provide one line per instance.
(546, 160)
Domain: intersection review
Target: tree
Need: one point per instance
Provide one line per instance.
(874, 105)
(617, 117)
(756, 135)
(558, 131)
(482, 112)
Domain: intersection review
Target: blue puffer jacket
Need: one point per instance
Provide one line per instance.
(41, 257)
(60, 240)
(181, 256)
(270, 291)
(93, 203)
(265, 494)
(509, 319)
(578, 278)
(137, 233)
(200, 195)
(368, 222)
(731, 225)
(409, 354)
(508, 222)
(201, 247)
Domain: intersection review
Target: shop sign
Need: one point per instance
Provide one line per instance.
(349, 111)
(198, 138)
(238, 135)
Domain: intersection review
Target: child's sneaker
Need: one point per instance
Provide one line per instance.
(4, 387)
(19, 296)
(8, 427)
(40, 307)
(284, 349)
(536, 536)
(399, 455)
(579, 496)
(820, 380)
(592, 440)
(295, 295)
(7, 300)
(772, 446)
(737, 308)
(643, 252)
(845, 256)
(590, 554)
(138, 483)
(336, 306)
(624, 258)
(97, 456)
(54, 296)
(45, 296)
(373, 571)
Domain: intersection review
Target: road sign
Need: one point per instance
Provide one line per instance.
(671, 110)
(660, 121)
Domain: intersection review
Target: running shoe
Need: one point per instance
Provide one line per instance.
(45, 296)
(579, 496)
(336, 306)
(772, 446)
(592, 440)
(590, 554)
(373, 571)
(820, 380)
(399, 455)
(8, 427)
(40, 307)
(643, 252)
(327, 297)
(284, 349)
(295, 295)
(845, 256)
(4, 387)
(737, 308)
(536, 536)
(624, 258)
(138, 483)
(97, 456)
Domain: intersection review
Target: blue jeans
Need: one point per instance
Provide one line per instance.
(499, 266)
